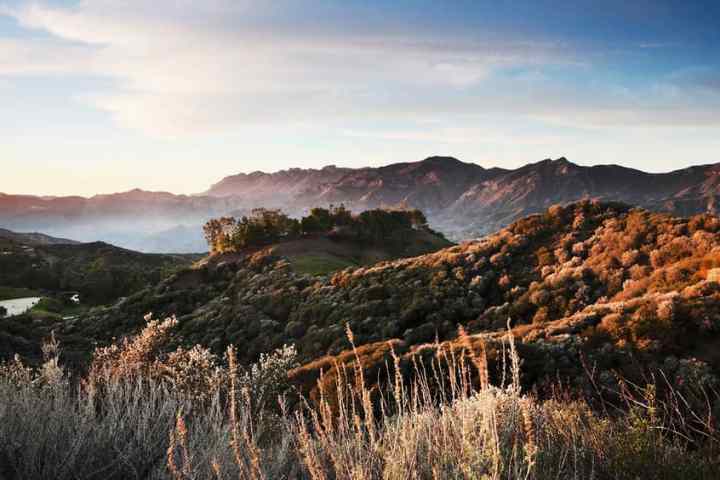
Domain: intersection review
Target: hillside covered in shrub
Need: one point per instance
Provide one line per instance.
(99, 272)
(585, 332)
(603, 281)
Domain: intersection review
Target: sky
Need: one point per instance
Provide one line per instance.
(101, 96)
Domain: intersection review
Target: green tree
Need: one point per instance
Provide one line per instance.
(380, 225)
(265, 226)
(262, 227)
(417, 218)
(310, 224)
(323, 217)
(341, 216)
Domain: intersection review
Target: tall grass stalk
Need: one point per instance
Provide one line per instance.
(439, 419)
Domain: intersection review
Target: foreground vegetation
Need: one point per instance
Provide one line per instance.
(143, 411)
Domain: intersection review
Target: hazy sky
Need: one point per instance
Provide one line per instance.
(107, 95)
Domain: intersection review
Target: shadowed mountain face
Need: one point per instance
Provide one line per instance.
(537, 186)
(462, 199)
(432, 185)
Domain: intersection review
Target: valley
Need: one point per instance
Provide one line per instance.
(591, 297)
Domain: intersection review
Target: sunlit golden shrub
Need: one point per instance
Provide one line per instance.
(194, 372)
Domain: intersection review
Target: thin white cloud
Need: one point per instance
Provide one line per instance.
(198, 66)
(39, 57)
(182, 67)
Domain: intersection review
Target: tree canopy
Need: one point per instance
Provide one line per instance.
(265, 226)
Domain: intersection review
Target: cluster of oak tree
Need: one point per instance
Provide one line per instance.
(264, 226)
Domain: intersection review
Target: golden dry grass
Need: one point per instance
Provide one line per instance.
(440, 425)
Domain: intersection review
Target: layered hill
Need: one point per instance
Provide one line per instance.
(464, 200)
(146, 221)
(593, 283)
(34, 238)
(99, 272)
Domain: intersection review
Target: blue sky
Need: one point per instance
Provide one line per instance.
(106, 95)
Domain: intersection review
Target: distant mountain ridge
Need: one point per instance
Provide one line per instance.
(34, 238)
(475, 200)
(464, 200)
(431, 184)
(278, 186)
(534, 187)
(140, 220)
(152, 203)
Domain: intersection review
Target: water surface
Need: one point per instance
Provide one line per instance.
(16, 306)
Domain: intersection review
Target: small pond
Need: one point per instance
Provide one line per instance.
(16, 306)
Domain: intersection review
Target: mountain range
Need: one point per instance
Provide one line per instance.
(464, 200)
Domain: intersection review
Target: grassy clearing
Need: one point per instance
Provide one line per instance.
(49, 308)
(183, 415)
(319, 264)
(10, 293)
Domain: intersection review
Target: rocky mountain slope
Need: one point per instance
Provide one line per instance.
(275, 189)
(463, 200)
(470, 200)
(599, 284)
(535, 187)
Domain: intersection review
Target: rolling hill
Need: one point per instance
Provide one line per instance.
(98, 271)
(326, 253)
(145, 221)
(34, 238)
(591, 282)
